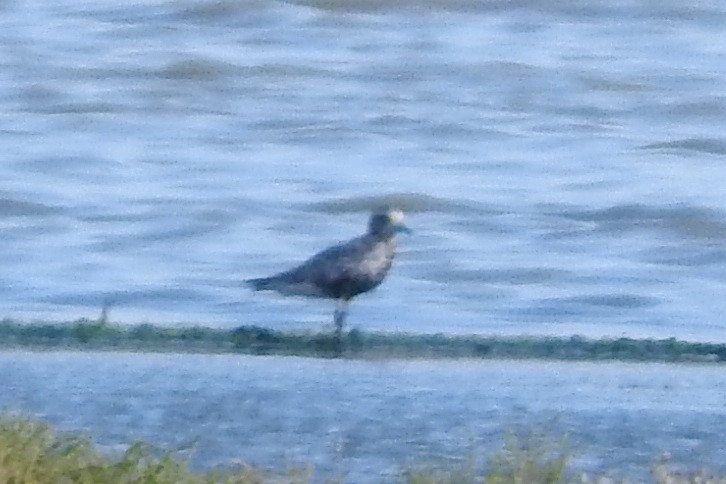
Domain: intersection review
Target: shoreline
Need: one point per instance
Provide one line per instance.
(101, 335)
(39, 452)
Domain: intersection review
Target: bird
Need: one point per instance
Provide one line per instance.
(345, 270)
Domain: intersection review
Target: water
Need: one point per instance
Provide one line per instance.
(562, 165)
(368, 421)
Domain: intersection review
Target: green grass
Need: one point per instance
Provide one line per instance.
(533, 458)
(85, 334)
(34, 453)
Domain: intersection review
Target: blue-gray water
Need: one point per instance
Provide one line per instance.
(563, 165)
(368, 421)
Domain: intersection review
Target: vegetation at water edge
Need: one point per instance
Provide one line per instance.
(85, 334)
(34, 453)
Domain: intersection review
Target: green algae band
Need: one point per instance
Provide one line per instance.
(100, 335)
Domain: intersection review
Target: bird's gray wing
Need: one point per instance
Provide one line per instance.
(333, 269)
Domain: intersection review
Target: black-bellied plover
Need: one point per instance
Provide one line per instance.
(345, 270)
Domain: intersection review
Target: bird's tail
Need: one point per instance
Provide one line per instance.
(261, 284)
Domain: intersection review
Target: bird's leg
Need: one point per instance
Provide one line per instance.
(341, 310)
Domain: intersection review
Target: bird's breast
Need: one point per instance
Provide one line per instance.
(378, 260)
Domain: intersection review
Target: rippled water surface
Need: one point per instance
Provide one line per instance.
(562, 165)
(368, 421)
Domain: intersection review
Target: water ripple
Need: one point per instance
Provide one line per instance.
(408, 202)
(698, 223)
(711, 146)
(18, 208)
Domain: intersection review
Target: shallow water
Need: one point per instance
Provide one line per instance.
(562, 166)
(367, 421)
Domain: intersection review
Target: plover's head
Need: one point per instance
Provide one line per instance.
(386, 223)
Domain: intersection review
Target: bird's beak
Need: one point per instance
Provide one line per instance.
(400, 228)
